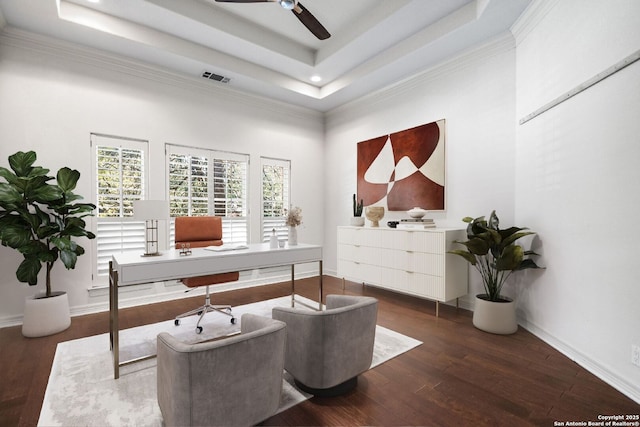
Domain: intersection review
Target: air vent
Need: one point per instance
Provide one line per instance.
(213, 76)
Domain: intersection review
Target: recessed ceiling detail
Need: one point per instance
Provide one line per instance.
(373, 43)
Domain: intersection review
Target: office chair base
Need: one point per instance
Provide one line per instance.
(201, 311)
(206, 308)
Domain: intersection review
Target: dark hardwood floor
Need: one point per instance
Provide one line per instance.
(460, 376)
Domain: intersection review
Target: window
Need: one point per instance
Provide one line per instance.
(275, 196)
(207, 182)
(120, 178)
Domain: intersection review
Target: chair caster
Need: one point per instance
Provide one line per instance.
(233, 320)
(199, 330)
(176, 322)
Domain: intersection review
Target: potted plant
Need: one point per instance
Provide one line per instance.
(40, 220)
(495, 255)
(357, 219)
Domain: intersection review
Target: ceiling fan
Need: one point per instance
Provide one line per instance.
(307, 19)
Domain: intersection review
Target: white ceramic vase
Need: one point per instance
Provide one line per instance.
(46, 316)
(357, 221)
(293, 236)
(495, 317)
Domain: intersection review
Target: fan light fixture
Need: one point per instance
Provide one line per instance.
(287, 4)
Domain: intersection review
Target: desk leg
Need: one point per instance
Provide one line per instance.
(320, 271)
(114, 327)
(293, 288)
(293, 285)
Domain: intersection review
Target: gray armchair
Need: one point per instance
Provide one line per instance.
(231, 381)
(327, 350)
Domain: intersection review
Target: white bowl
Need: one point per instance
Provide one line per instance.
(416, 212)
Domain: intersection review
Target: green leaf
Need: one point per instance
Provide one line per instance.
(8, 175)
(476, 246)
(21, 162)
(509, 240)
(46, 193)
(28, 271)
(62, 243)
(477, 226)
(527, 263)
(39, 171)
(15, 236)
(69, 259)
(464, 254)
(67, 179)
(9, 195)
(510, 258)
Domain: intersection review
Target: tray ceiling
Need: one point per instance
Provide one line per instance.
(263, 49)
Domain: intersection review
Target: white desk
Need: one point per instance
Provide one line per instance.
(129, 269)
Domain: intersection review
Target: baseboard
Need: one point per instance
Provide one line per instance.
(615, 381)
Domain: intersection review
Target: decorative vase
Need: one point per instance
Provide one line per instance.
(293, 236)
(374, 214)
(46, 316)
(357, 221)
(496, 317)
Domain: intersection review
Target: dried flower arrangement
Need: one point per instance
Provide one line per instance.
(294, 217)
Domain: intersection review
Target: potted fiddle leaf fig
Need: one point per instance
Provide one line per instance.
(495, 255)
(42, 220)
(357, 219)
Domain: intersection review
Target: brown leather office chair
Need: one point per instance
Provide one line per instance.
(199, 232)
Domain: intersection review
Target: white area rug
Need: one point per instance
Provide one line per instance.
(82, 392)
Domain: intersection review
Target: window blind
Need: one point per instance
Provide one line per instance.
(275, 196)
(209, 182)
(120, 177)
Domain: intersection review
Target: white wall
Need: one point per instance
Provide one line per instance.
(475, 94)
(54, 95)
(577, 178)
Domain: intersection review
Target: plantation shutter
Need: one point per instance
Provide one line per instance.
(120, 178)
(275, 196)
(207, 182)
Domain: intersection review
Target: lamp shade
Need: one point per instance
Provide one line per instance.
(150, 209)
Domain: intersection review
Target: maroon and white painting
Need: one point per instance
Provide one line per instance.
(404, 170)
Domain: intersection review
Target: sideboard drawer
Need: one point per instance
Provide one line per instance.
(415, 262)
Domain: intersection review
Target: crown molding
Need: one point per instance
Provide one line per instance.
(531, 17)
(468, 58)
(63, 50)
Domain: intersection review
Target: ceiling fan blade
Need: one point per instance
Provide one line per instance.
(310, 21)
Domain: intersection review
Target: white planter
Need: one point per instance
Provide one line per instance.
(357, 221)
(46, 316)
(495, 317)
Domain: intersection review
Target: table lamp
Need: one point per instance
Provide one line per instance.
(151, 211)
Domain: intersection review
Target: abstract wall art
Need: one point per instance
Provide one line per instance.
(405, 169)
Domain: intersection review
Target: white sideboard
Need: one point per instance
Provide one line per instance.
(413, 262)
